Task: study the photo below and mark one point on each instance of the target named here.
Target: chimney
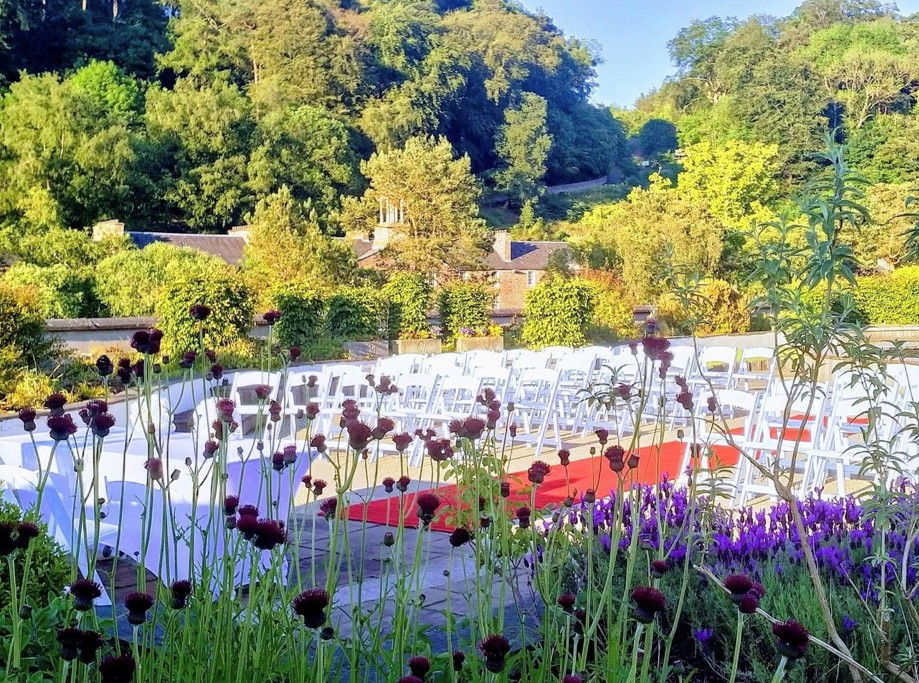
(107, 229)
(381, 236)
(240, 231)
(503, 244)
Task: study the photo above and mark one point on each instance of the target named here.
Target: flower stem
(737, 641)
(780, 672)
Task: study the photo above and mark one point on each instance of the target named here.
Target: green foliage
(409, 296)
(886, 148)
(557, 311)
(524, 146)
(49, 568)
(22, 328)
(891, 299)
(614, 311)
(232, 311)
(46, 244)
(131, 282)
(657, 137)
(714, 307)
(357, 313)
(302, 313)
(465, 304)
(61, 292)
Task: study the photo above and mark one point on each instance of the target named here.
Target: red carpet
(580, 475)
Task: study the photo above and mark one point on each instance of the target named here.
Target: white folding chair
(756, 366)
(301, 388)
(480, 359)
(535, 406)
(444, 364)
(715, 367)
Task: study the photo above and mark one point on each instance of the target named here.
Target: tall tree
(524, 144)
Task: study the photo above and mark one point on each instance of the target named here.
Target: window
(531, 278)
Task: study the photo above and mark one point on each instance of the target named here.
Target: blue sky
(634, 34)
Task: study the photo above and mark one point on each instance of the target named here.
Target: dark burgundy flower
(102, 425)
(739, 586)
(512, 429)
(138, 605)
(225, 409)
(419, 666)
(537, 472)
(318, 442)
(359, 435)
(290, 454)
(319, 486)
(460, 536)
(247, 525)
(272, 316)
(566, 602)
(748, 604)
(427, 506)
(495, 648)
(180, 591)
(188, 360)
(647, 602)
(458, 659)
(349, 410)
(388, 539)
(505, 489)
(262, 391)
(312, 411)
(792, 637)
(492, 416)
(90, 643)
(61, 427)
(632, 462)
(200, 312)
(248, 511)
(758, 589)
(624, 391)
(310, 605)
(328, 507)
(523, 517)
(140, 341)
(84, 592)
(564, 457)
(384, 427)
(230, 504)
(684, 398)
(388, 484)
(269, 534)
(55, 403)
(138, 369)
(216, 371)
(27, 416)
(104, 366)
(440, 450)
(615, 455)
(473, 428)
(277, 462)
(590, 496)
(294, 352)
(210, 448)
(402, 441)
(117, 669)
(659, 568)
(69, 639)
(712, 404)
(25, 532)
(154, 467)
(602, 436)
(402, 483)
(274, 411)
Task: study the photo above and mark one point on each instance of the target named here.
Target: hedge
(557, 312)
(61, 291)
(465, 305)
(409, 295)
(357, 313)
(302, 313)
(891, 299)
(22, 329)
(718, 308)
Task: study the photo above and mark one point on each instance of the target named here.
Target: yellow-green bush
(465, 305)
(891, 299)
(302, 313)
(557, 311)
(60, 291)
(715, 308)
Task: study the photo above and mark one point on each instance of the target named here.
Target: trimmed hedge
(465, 304)
(302, 313)
(557, 312)
(410, 297)
(891, 299)
(357, 313)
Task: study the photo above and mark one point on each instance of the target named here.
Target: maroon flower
(290, 454)
(659, 568)
(460, 536)
(140, 341)
(247, 525)
(537, 472)
(117, 669)
(439, 449)
(473, 428)
(318, 442)
(84, 592)
(602, 436)
(564, 457)
(210, 355)
(154, 467)
(458, 659)
(512, 429)
(419, 666)
(269, 534)
(748, 604)
(210, 448)
(615, 455)
(102, 425)
(712, 404)
(739, 586)
(495, 648)
(61, 427)
(230, 504)
(69, 639)
(349, 410)
(792, 637)
(188, 360)
(104, 366)
(90, 643)
(272, 316)
(402, 441)
(248, 511)
(427, 506)
(225, 408)
(493, 415)
(294, 352)
(402, 483)
(138, 605)
(216, 371)
(25, 532)
(523, 517)
(566, 602)
(654, 347)
(759, 590)
(310, 605)
(505, 489)
(684, 398)
(312, 411)
(27, 416)
(262, 391)
(359, 435)
(384, 427)
(180, 590)
(319, 486)
(388, 484)
(632, 462)
(647, 602)
(277, 462)
(328, 508)
(200, 312)
(274, 411)
(624, 391)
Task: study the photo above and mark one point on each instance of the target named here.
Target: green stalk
(737, 642)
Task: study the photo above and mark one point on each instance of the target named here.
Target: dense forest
(185, 114)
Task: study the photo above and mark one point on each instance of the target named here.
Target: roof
(227, 247)
(525, 256)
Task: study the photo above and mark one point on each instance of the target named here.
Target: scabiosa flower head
(69, 639)
(495, 648)
(388, 539)
(247, 525)
(25, 532)
(210, 448)
(624, 391)
(537, 472)
(318, 442)
(200, 312)
(748, 604)
(27, 417)
(712, 404)
(154, 467)
(310, 605)
(248, 511)
(632, 461)
(647, 602)
(402, 483)
(427, 506)
(328, 508)
(523, 517)
(216, 371)
(564, 457)
(792, 638)
(458, 659)
(102, 424)
(512, 429)
(180, 591)
(419, 666)
(312, 411)
(402, 441)
(230, 504)
(602, 436)
(659, 568)
(388, 484)
(104, 366)
(277, 462)
(739, 586)
(140, 341)
(90, 643)
(319, 486)
(225, 409)
(269, 534)
(566, 602)
(349, 410)
(460, 536)
(294, 352)
(117, 669)
(473, 428)
(138, 605)
(262, 391)
(84, 592)
(61, 427)
(684, 398)
(274, 411)
(616, 457)
(440, 450)
(359, 435)
(758, 590)
(272, 316)
(505, 489)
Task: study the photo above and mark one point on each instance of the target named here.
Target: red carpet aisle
(581, 475)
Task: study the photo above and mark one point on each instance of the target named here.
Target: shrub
(24, 388)
(715, 308)
(557, 312)
(409, 295)
(129, 283)
(614, 310)
(465, 305)
(60, 291)
(357, 313)
(22, 328)
(49, 569)
(302, 310)
(231, 311)
(891, 299)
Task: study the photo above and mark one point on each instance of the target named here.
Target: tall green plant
(465, 305)
(409, 295)
(557, 311)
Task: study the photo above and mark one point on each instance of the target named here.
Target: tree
(524, 146)
(441, 230)
(657, 137)
(285, 246)
(886, 149)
